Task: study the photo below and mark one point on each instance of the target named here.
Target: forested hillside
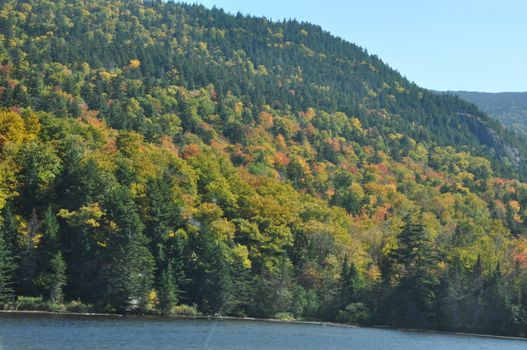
(166, 158)
(510, 108)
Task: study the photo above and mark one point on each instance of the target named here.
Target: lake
(59, 332)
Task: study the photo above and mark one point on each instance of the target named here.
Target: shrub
(78, 307)
(185, 310)
(284, 316)
(37, 304)
(353, 313)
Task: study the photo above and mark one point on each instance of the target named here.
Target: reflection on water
(32, 332)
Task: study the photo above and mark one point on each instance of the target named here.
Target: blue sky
(477, 45)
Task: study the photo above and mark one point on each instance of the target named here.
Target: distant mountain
(510, 108)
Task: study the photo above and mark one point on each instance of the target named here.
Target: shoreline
(255, 319)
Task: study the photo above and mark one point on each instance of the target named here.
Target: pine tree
(57, 278)
(168, 291)
(52, 276)
(29, 256)
(348, 285)
(213, 287)
(7, 267)
(129, 275)
(412, 301)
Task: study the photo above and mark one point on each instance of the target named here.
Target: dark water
(24, 332)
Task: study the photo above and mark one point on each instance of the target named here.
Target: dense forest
(166, 158)
(510, 108)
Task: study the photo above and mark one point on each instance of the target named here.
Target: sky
(472, 45)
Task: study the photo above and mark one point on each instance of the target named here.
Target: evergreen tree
(57, 278)
(349, 285)
(274, 290)
(453, 298)
(412, 301)
(129, 276)
(212, 280)
(28, 272)
(52, 276)
(7, 267)
(168, 291)
(175, 261)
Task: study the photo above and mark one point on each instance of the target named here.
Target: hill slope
(288, 66)
(156, 154)
(510, 108)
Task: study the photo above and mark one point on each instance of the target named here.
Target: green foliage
(185, 310)
(7, 268)
(410, 273)
(246, 167)
(129, 276)
(168, 291)
(58, 278)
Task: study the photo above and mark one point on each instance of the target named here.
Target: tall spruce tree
(129, 276)
(7, 268)
(57, 276)
(412, 301)
(168, 291)
(349, 285)
(212, 280)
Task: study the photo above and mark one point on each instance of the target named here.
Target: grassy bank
(38, 304)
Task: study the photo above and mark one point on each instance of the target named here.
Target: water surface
(58, 332)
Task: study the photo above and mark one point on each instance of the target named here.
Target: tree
(212, 280)
(11, 248)
(274, 290)
(168, 291)
(129, 276)
(7, 267)
(348, 284)
(411, 272)
(351, 308)
(57, 278)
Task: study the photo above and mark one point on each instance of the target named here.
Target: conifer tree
(129, 275)
(7, 267)
(57, 278)
(168, 291)
(412, 301)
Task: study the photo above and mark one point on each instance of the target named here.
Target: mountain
(167, 158)
(510, 108)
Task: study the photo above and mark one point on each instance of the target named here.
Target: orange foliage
(280, 140)
(310, 130)
(266, 119)
(334, 143)
(166, 143)
(5, 69)
(191, 150)
(134, 64)
(520, 252)
(281, 159)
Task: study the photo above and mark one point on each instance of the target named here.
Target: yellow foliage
(107, 75)
(134, 64)
(266, 119)
(15, 129)
(515, 205)
(153, 300)
(89, 215)
(242, 253)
